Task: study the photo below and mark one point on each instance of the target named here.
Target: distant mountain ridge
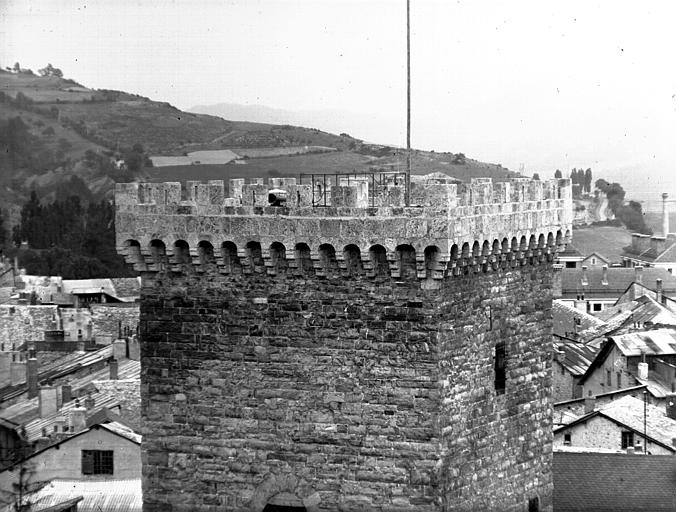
(330, 120)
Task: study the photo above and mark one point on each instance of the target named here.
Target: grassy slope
(605, 240)
(119, 120)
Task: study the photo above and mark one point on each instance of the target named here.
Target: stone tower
(324, 348)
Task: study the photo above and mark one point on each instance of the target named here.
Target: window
(593, 261)
(97, 462)
(596, 307)
(566, 439)
(609, 381)
(619, 380)
(627, 439)
(500, 370)
(570, 264)
(534, 504)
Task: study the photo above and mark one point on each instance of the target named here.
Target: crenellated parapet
(342, 227)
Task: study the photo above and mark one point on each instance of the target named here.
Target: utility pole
(408, 103)
(645, 423)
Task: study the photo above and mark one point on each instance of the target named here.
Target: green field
(319, 163)
(608, 241)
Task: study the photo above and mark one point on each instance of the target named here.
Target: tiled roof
(657, 342)
(668, 255)
(651, 255)
(570, 252)
(60, 367)
(606, 482)
(640, 311)
(97, 495)
(629, 411)
(27, 409)
(566, 318)
(577, 356)
(619, 279)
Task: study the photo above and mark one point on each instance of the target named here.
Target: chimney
(581, 304)
(585, 277)
(658, 244)
(119, 349)
(665, 215)
(17, 370)
(638, 274)
(66, 393)
(557, 284)
(47, 400)
(134, 348)
(32, 375)
(113, 365)
(5, 369)
(671, 406)
(89, 403)
(658, 290)
(604, 276)
(589, 404)
(643, 371)
(77, 419)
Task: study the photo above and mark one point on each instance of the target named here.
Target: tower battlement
(399, 358)
(350, 224)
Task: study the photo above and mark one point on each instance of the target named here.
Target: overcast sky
(541, 84)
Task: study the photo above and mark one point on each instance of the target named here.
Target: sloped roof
(597, 255)
(619, 279)
(650, 254)
(121, 288)
(570, 252)
(668, 255)
(27, 409)
(59, 367)
(577, 356)
(97, 495)
(567, 318)
(657, 342)
(629, 411)
(640, 311)
(616, 482)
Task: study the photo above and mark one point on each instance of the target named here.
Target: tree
(17, 67)
(536, 176)
(50, 70)
(588, 180)
(558, 175)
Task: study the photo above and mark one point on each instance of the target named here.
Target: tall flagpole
(408, 103)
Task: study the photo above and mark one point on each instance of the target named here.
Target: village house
(628, 424)
(651, 252)
(644, 357)
(595, 289)
(103, 451)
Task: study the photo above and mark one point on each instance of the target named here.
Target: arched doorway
(285, 502)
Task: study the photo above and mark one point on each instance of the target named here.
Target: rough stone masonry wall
(496, 448)
(108, 318)
(20, 323)
(351, 394)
